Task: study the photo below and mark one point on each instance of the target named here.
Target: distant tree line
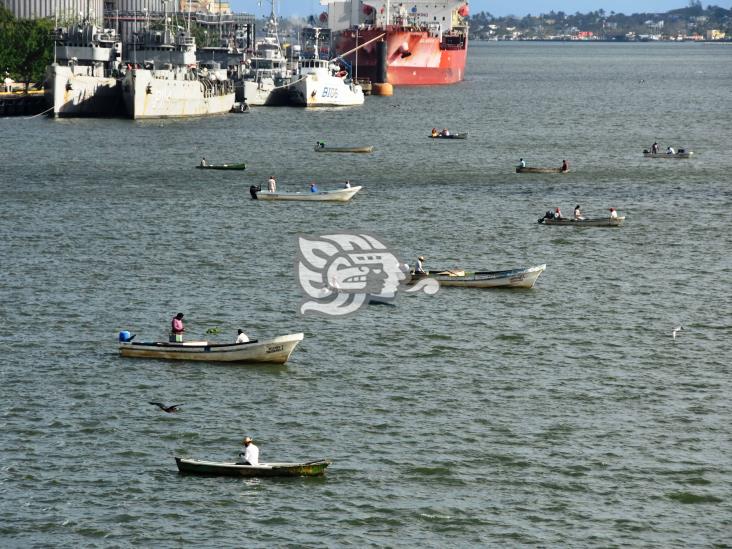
(692, 19)
(26, 47)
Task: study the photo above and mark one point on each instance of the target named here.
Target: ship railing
(453, 42)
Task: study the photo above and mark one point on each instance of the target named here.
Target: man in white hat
(250, 455)
(418, 268)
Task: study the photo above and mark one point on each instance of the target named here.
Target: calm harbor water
(563, 416)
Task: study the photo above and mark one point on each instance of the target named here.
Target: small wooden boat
(526, 169)
(681, 154)
(231, 469)
(276, 350)
(514, 278)
(599, 222)
(451, 136)
(337, 195)
(241, 166)
(344, 149)
(240, 107)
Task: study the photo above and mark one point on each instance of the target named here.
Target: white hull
(667, 155)
(515, 278)
(276, 350)
(264, 93)
(340, 195)
(170, 94)
(82, 95)
(320, 90)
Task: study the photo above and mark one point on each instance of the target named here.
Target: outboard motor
(125, 336)
(253, 190)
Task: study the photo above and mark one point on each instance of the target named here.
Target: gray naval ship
(163, 79)
(267, 77)
(83, 80)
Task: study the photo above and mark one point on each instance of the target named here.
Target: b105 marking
(330, 92)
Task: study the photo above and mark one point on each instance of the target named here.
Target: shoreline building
(64, 11)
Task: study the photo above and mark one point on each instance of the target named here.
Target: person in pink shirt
(177, 329)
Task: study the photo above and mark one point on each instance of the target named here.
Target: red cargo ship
(426, 40)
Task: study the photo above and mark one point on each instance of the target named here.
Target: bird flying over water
(169, 408)
(677, 329)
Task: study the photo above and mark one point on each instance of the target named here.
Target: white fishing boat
(337, 195)
(681, 153)
(513, 278)
(322, 83)
(83, 79)
(166, 82)
(267, 75)
(276, 350)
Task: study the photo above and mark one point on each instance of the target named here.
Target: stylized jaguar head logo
(340, 273)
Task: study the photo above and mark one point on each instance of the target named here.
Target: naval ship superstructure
(322, 83)
(83, 80)
(163, 79)
(268, 74)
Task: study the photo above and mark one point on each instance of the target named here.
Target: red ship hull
(413, 58)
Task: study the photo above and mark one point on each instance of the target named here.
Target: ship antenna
(55, 30)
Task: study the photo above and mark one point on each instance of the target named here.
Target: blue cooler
(125, 336)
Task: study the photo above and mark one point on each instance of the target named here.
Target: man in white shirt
(613, 213)
(521, 163)
(670, 150)
(241, 337)
(250, 455)
(271, 184)
(418, 268)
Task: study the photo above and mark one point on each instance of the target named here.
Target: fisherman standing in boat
(250, 455)
(313, 188)
(565, 166)
(271, 184)
(177, 329)
(655, 147)
(203, 162)
(418, 268)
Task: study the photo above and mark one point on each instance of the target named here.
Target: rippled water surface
(565, 415)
